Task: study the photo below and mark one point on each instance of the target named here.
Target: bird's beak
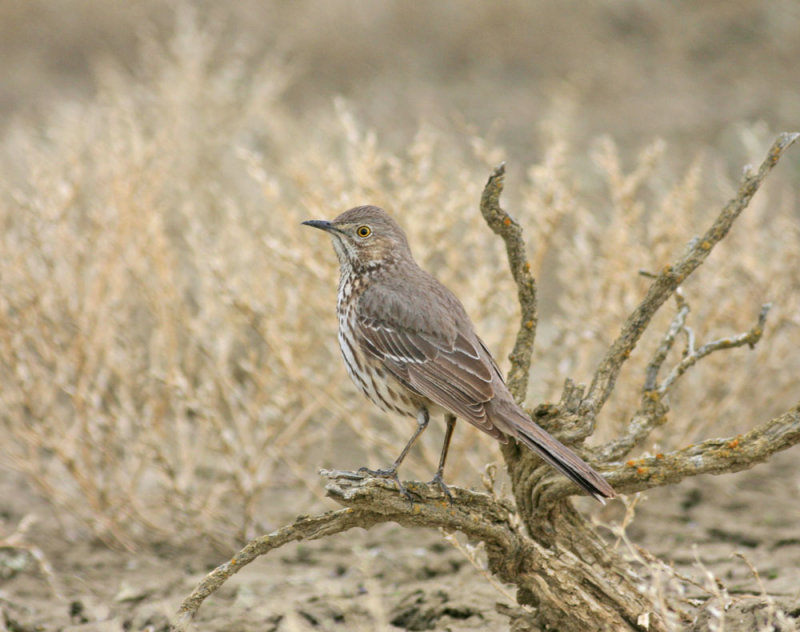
(322, 225)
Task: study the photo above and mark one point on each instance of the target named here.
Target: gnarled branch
(370, 501)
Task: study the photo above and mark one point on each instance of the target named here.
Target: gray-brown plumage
(411, 348)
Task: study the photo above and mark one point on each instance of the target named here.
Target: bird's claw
(437, 480)
(391, 474)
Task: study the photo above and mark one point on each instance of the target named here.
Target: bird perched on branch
(411, 348)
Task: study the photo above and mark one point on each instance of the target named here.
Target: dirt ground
(388, 578)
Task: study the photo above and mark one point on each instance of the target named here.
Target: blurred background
(169, 359)
(686, 71)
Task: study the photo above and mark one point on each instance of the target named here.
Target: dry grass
(167, 344)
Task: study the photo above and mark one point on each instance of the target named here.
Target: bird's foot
(437, 480)
(391, 474)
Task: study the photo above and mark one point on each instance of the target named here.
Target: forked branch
(693, 355)
(653, 409)
(668, 280)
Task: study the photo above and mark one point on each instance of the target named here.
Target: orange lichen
(660, 455)
(631, 463)
(641, 470)
(507, 221)
(734, 444)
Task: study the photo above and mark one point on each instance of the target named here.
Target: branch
(714, 456)
(677, 325)
(544, 574)
(670, 278)
(511, 232)
(369, 501)
(536, 569)
(653, 409)
(477, 515)
(304, 528)
(694, 355)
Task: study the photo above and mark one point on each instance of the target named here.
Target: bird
(410, 347)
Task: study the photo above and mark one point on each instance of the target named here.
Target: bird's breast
(367, 372)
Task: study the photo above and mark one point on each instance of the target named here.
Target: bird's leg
(391, 472)
(438, 477)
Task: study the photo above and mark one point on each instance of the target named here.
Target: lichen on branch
(511, 232)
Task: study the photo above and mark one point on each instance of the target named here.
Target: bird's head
(365, 236)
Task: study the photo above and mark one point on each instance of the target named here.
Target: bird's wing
(456, 374)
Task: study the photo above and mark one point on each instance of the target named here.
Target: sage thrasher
(411, 348)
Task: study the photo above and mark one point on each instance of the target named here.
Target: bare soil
(390, 578)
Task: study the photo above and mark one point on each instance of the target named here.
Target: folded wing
(456, 374)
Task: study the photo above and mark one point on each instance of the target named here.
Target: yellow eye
(363, 231)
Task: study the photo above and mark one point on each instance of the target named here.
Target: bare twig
(670, 278)
(304, 528)
(676, 326)
(693, 355)
(511, 232)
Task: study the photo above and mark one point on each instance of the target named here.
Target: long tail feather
(563, 459)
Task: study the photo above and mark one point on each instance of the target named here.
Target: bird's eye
(363, 231)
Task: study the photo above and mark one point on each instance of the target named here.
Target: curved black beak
(321, 224)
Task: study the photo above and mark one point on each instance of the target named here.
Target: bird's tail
(559, 456)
